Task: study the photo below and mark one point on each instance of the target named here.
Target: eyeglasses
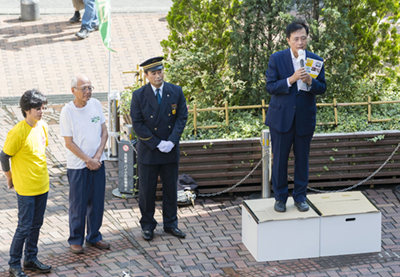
(84, 89)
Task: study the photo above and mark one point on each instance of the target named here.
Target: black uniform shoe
(83, 33)
(76, 17)
(302, 206)
(37, 266)
(16, 272)
(147, 234)
(280, 207)
(175, 232)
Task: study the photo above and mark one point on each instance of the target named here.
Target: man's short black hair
(31, 99)
(295, 26)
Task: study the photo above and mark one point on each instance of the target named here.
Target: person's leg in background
(90, 21)
(78, 5)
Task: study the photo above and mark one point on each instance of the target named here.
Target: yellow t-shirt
(27, 148)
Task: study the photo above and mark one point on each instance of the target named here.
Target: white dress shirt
(296, 65)
(154, 90)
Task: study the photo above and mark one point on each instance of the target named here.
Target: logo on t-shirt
(43, 141)
(96, 119)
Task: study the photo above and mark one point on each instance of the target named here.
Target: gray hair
(74, 82)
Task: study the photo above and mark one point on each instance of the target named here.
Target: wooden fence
(139, 76)
(336, 160)
(141, 80)
(263, 106)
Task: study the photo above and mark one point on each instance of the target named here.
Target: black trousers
(148, 175)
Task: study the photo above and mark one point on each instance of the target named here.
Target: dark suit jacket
(287, 102)
(153, 123)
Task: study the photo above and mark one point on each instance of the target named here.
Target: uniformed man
(159, 115)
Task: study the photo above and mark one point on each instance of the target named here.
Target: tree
(258, 31)
(199, 32)
(377, 44)
(356, 40)
(201, 86)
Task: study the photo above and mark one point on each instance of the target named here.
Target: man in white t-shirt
(83, 127)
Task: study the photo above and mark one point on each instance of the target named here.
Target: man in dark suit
(291, 115)
(159, 115)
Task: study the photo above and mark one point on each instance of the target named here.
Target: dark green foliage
(242, 124)
(199, 85)
(198, 46)
(377, 44)
(218, 51)
(258, 31)
(356, 40)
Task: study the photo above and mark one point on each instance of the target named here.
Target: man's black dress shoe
(175, 232)
(280, 206)
(16, 272)
(37, 266)
(147, 234)
(302, 206)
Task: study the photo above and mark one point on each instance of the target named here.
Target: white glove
(161, 146)
(168, 146)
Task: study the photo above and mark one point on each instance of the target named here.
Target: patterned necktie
(158, 96)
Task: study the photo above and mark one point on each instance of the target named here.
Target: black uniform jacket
(153, 123)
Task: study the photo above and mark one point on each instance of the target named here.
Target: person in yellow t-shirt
(26, 146)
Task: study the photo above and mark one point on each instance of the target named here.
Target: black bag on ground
(187, 190)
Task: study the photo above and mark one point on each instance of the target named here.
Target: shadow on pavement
(27, 34)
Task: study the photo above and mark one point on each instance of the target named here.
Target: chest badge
(173, 107)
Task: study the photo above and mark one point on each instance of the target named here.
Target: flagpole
(109, 86)
(109, 53)
(104, 14)
(109, 90)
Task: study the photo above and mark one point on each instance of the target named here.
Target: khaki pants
(78, 5)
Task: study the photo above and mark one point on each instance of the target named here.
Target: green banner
(104, 13)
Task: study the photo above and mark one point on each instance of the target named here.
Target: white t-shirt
(84, 126)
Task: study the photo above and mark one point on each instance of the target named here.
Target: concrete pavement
(45, 54)
(213, 244)
(65, 6)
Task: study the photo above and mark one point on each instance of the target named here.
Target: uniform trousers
(281, 145)
(148, 175)
(86, 204)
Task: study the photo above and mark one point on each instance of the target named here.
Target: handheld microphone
(301, 57)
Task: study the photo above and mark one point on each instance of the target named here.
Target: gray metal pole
(30, 10)
(114, 127)
(266, 165)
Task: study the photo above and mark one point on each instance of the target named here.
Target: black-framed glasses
(84, 89)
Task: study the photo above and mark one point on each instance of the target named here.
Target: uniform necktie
(158, 96)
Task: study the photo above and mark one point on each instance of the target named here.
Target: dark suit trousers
(148, 175)
(281, 145)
